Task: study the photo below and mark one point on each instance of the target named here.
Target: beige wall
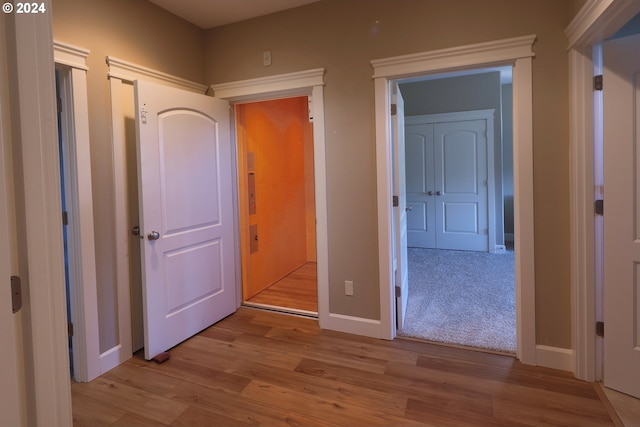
(343, 37)
(135, 31)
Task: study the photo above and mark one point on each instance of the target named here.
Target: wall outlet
(348, 287)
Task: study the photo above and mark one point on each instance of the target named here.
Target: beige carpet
(461, 297)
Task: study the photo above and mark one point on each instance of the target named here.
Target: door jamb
(303, 83)
(597, 20)
(517, 52)
(71, 60)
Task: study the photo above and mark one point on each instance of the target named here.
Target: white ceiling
(213, 13)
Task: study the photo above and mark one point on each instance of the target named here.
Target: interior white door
(421, 219)
(186, 212)
(400, 210)
(622, 217)
(461, 188)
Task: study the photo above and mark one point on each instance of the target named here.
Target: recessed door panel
(189, 170)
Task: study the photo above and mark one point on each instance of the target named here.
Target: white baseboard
(354, 325)
(112, 358)
(555, 358)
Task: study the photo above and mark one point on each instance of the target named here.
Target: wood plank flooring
(262, 368)
(298, 290)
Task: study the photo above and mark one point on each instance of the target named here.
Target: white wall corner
(555, 358)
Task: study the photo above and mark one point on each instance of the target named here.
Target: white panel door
(186, 210)
(622, 216)
(400, 211)
(461, 185)
(421, 219)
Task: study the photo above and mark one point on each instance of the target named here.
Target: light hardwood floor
(297, 291)
(270, 369)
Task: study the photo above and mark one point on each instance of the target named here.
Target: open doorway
(277, 205)
(460, 209)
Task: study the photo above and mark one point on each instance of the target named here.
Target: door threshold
(459, 346)
(284, 310)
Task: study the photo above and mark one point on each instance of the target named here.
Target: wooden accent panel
(262, 368)
(279, 136)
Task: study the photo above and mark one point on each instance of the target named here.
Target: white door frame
(71, 60)
(47, 393)
(596, 21)
(518, 53)
(304, 83)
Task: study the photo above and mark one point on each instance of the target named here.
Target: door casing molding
(302, 83)
(518, 53)
(596, 21)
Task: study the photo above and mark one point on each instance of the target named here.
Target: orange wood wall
(279, 135)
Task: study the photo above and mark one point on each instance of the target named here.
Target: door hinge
(16, 294)
(65, 218)
(59, 104)
(398, 291)
(599, 207)
(597, 82)
(394, 109)
(310, 107)
(600, 329)
(70, 329)
(396, 201)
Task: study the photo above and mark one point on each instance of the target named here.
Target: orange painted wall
(279, 135)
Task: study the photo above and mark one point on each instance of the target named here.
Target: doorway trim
(71, 61)
(518, 53)
(596, 21)
(303, 83)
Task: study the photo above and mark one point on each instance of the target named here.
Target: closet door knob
(154, 235)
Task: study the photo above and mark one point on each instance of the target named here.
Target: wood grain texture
(298, 290)
(263, 368)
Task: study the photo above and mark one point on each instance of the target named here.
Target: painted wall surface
(139, 32)
(464, 93)
(343, 36)
(276, 133)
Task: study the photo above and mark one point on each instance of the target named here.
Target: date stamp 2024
(24, 8)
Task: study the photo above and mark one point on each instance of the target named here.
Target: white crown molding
(128, 71)
(72, 56)
(499, 51)
(598, 20)
(284, 83)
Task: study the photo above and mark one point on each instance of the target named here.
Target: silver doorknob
(438, 193)
(154, 235)
(430, 193)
